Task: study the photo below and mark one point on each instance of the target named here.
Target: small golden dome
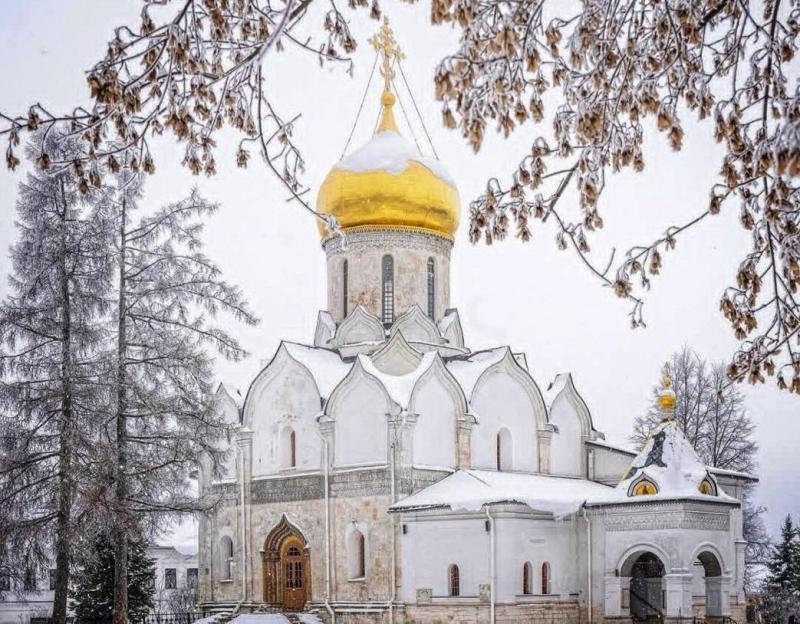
(387, 183)
(666, 396)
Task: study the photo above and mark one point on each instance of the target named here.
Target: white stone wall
(364, 252)
(566, 446)
(502, 401)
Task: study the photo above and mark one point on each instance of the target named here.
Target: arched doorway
(286, 567)
(712, 578)
(645, 596)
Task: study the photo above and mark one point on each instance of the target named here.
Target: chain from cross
(385, 44)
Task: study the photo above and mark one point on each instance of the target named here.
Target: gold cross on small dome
(385, 44)
(666, 380)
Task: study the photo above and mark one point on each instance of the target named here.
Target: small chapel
(387, 473)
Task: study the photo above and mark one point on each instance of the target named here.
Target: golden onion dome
(387, 183)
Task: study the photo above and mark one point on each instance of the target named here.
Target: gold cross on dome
(666, 380)
(384, 42)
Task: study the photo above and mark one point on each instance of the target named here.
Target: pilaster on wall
(544, 437)
(464, 440)
(401, 439)
(678, 591)
(244, 444)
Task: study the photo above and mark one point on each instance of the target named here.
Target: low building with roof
(388, 473)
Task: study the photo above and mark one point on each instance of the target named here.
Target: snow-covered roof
(446, 321)
(467, 370)
(668, 460)
(738, 474)
(614, 446)
(470, 490)
(326, 366)
(398, 387)
(390, 152)
(554, 388)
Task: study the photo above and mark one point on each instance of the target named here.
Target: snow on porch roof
(470, 490)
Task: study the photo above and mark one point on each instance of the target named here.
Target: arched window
(431, 287)
(526, 578)
(288, 448)
(344, 289)
(453, 581)
(503, 449)
(225, 558)
(546, 578)
(707, 487)
(387, 309)
(357, 555)
(643, 487)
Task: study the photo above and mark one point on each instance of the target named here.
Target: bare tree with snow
(50, 368)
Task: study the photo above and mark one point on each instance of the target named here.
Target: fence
(151, 618)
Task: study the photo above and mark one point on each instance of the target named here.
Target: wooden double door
(294, 573)
(286, 567)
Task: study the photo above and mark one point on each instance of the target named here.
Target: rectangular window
(191, 578)
(170, 578)
(5, 582)
(52, 577)
(625, 600)
(29, 580)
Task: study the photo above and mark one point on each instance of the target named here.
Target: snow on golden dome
(387, 183)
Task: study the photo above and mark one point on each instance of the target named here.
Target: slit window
(453, 581)
(546, 579)
(387, 300)
(344, 289)
(431, 288)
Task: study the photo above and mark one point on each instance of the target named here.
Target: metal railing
(150, 618)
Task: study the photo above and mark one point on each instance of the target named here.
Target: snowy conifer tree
(167, 295)
(92, 595)
(49, 368)
(784, 564)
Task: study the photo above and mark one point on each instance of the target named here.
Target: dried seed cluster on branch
(613, 64)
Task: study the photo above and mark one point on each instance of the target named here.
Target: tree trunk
(66, 435)
(121, 490)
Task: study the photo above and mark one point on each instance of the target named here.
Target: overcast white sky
(533, 297)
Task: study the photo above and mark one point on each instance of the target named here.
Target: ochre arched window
(453, 581)
(707, 487)
(644, 487)
(344, 289)
(387, 290)
(431, 288)
(546, 577)
(527, 570)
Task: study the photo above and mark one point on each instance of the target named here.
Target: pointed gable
(359, 326)
(396, 357)
(417, 326)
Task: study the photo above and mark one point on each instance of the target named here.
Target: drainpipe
(589, 559)
(244, 530)
(492, 573)
(327, 537)
(393, 562)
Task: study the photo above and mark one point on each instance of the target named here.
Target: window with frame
(191, 578)
(453, 581)
(344, 288)
(29, 580)
(170, 578)
(358, 555)
(226, 557)
(546, 578)
(5, 582)
(387, 290)
(431, 288)
(526, 578)
(51, 576)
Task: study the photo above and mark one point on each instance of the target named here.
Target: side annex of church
(387, 473)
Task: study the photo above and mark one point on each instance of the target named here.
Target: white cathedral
(387, 473)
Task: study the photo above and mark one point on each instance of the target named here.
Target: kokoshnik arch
(387, 473)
